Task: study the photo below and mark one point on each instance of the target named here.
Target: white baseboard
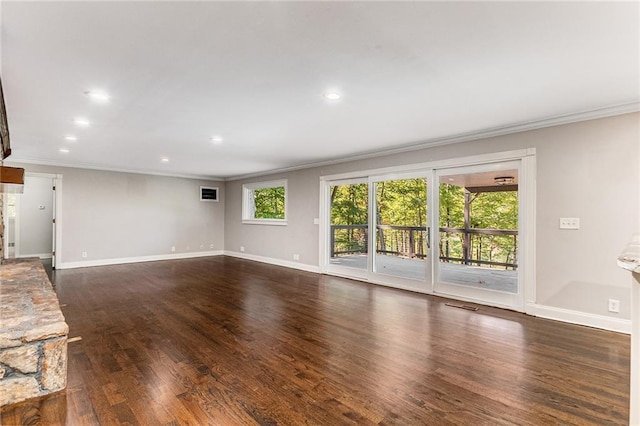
(122, 260)
(580, 318)
(40, 255)
(274, 261)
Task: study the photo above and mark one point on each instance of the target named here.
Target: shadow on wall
(591, 297)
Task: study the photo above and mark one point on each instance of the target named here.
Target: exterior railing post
(411, 244)
(332, 239)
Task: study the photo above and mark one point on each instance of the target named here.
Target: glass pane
(401, 228)
(349, 225)
(269, 203)
(479, 230)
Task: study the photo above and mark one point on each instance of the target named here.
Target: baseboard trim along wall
(580, 318)
(123, 260)
(273, 261)
(40, 255)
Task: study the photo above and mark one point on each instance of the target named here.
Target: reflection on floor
(47, 263)
(474, 276)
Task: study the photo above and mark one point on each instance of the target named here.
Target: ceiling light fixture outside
(332, 96)
(70, 138)
(97, 95)
(64, 150)
(164, 160)
(504, 180)
(216, 139)
(81, 122)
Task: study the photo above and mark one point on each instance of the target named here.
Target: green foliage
(269, 203)
(487, 210)
(403, 203)
(451, 206)
(349, 204)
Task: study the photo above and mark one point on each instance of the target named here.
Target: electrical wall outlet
(296, 257)
(569, 223)
(211, 245)
(173, 248)
(241, 248)
(84, 254)
(614, 305)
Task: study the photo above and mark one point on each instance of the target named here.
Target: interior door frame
(56, 213)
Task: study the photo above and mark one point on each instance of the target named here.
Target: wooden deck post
(466, 238)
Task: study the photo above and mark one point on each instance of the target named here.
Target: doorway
(30, 219)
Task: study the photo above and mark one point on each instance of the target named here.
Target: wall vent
(209, 193)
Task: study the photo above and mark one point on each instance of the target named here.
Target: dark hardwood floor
(226, 341)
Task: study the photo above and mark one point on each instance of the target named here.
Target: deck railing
(476, 245)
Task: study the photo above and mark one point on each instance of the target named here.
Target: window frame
(248, 208)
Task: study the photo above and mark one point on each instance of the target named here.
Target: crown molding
(524, 126)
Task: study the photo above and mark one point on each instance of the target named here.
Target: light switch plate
(569, 223)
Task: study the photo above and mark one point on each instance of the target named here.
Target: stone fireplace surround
(33, 333)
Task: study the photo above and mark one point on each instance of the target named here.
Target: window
(265, 202)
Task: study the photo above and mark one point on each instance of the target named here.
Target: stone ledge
(33, 334)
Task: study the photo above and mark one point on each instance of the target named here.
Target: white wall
(35, 233)
(112, 215)
(586, 170)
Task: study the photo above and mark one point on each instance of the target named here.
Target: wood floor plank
(224, 341)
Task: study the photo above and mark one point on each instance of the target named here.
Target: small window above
(209, 193)
(265, 202)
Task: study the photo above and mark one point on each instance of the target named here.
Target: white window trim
(247, 204)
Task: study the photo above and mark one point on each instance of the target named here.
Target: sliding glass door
(478, 218)
(453, 231)
(348, 228)
(401, 233)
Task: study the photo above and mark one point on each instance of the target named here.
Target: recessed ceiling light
(332, 96)
(164, 159)
(82, 122)
(97, 95)
(70, 138)
(216, 139)
(64, 150)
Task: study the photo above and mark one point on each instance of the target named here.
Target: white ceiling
(254, 73)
